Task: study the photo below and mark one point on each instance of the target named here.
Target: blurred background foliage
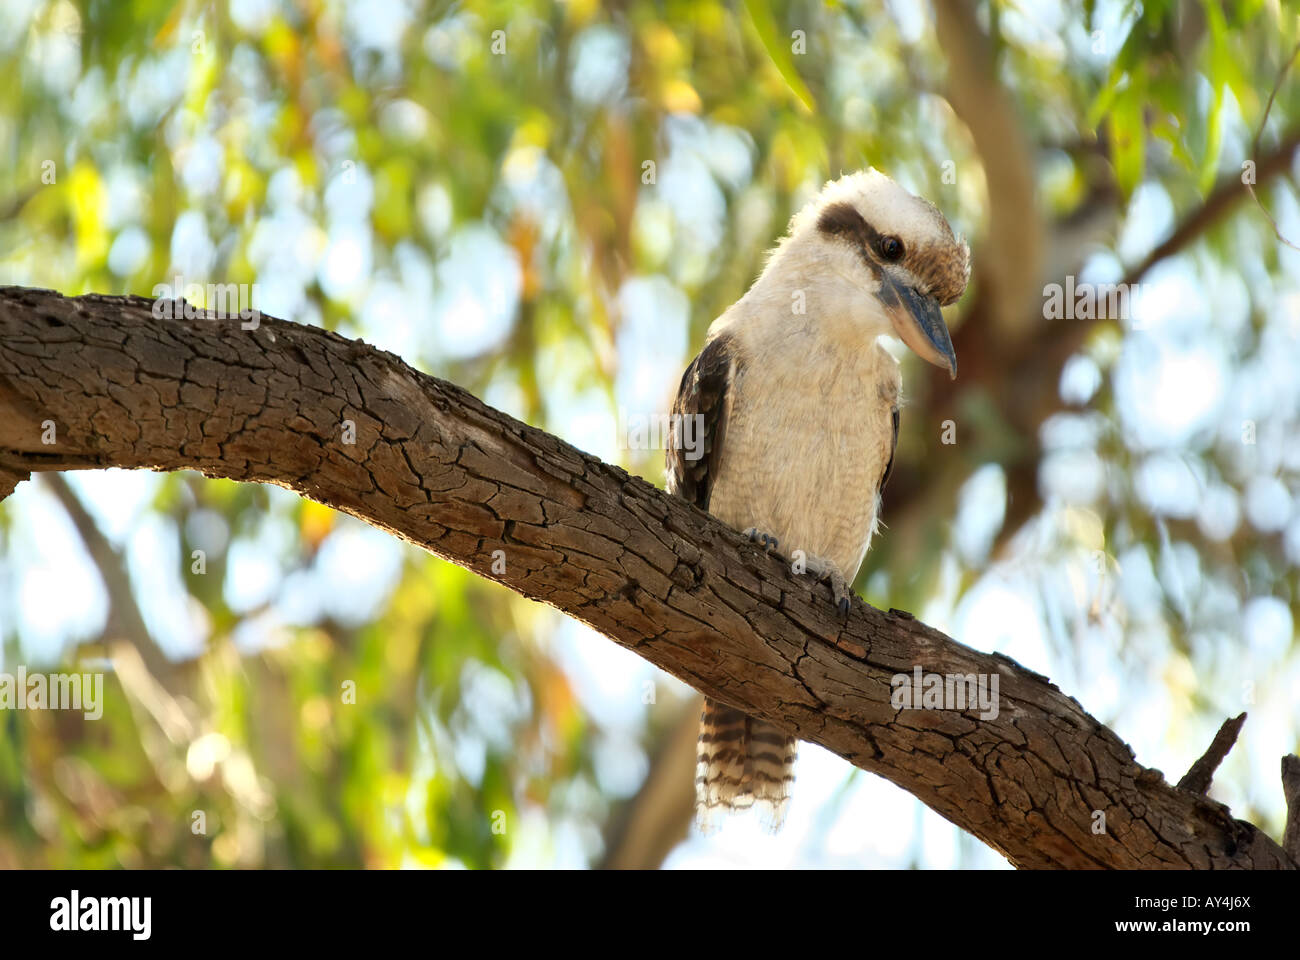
(548, 204)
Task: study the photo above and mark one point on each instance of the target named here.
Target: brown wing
(893, 448)
(703, 396)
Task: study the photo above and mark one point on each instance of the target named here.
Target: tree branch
(124, 617)
(659, 816)
(433, 465)
(1291, 790)
(1022, 378)
(1198, 778)
(1010, 257)
(1226, 195)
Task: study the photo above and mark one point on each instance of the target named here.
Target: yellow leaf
(315, 522)
(680, 97)
(88, 199)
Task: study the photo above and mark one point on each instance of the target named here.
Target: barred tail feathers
(772, 753)
(741, 762)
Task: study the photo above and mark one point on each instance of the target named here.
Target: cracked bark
(435, 466)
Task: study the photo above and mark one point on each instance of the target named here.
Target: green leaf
(1128, 139)
(760, 15)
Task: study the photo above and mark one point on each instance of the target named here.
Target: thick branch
(435, 466)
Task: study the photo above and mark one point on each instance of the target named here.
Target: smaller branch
(1291, 790)
(125, 620)
(1020, 378)
(1217, 206)
(659, 817)
(1268, 108)
(1254, 149)
(13, 206)
(1197, 779)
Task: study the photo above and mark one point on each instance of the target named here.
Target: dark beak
(919, 324)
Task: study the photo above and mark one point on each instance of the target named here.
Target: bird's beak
(919, 324)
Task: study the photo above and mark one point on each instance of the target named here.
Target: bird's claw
(827, 572)
(769, 542)
(822, 570)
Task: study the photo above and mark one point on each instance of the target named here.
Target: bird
(797, 402)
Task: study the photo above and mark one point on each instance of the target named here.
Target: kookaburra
(799, 409)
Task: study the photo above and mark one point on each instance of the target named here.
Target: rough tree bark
(111, 386)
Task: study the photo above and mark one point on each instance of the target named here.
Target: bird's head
(886, 259)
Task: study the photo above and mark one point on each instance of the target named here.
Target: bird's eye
(891, 248)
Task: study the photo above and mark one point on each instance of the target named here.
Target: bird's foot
(826, 572)
(769, 542)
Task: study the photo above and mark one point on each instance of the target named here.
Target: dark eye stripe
(843, 220)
